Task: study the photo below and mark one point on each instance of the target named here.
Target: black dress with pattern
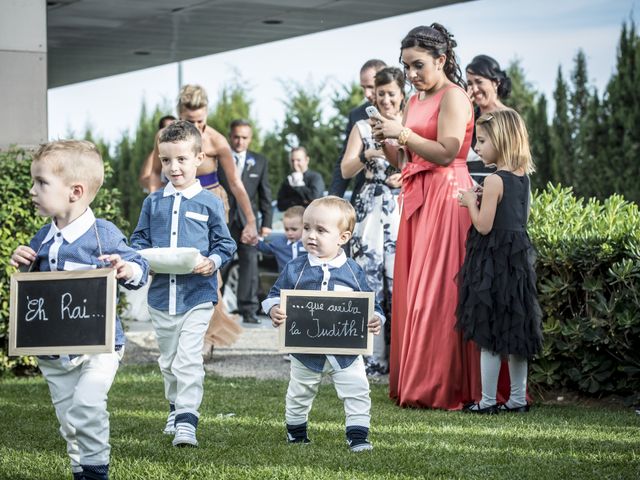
(498, 305)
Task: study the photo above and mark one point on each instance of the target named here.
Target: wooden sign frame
(111, 293)
(285, 294)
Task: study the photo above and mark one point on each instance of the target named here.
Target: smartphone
(372, 112)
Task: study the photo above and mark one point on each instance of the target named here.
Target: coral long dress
(430, 364)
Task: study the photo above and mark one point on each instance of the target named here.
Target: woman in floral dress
(373, 244)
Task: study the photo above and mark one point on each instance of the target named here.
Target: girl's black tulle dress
(498, 305)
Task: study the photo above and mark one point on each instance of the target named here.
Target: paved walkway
(255, 354)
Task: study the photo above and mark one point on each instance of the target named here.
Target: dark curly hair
(436, 40)
(182, 131)
(487, 67)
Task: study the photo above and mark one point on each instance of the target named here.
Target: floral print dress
(373, 245)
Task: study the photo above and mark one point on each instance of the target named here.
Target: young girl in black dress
(498, 307)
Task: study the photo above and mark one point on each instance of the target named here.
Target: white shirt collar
(190, 192)
(240, 155)
(340, 260)
(75, 229)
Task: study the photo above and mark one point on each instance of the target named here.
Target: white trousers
(351, 385)
(79, 389)
(180, 339)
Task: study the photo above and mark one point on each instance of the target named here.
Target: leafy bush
(588, 270)
(19, 222)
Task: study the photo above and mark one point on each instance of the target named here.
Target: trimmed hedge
(19, 222)
(588, 270)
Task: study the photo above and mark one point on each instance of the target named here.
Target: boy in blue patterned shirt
(290, 246)
(327, 225)
(66, 177)
(183, 214)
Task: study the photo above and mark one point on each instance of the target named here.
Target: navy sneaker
(297, 433)
(357, 439)
(94, 472)
(361, 446)
(185, 435)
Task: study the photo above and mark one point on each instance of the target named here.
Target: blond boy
(327, 225)
(286, 248)
(67, 175)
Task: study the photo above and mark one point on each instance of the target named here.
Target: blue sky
(543, 34)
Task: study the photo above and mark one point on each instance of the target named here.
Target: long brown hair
(436, 40)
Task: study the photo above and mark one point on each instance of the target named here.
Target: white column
(23, 72)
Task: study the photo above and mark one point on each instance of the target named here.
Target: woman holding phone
(377, 214)
(431, 365)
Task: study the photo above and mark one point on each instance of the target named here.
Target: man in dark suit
(302, 185)
(367, 75)
(252, 168)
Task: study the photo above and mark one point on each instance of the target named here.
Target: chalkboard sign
(54, 313)
(326, 322)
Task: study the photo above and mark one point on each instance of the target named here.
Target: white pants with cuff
(180, 339)
(79, 388)
(351, 385)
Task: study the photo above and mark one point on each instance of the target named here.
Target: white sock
(518, 375)
(489, 371)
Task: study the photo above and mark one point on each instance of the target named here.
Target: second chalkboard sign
(55, 313)
(326, 322)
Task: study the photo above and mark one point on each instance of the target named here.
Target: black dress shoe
(522, 409)
(475, 408)
(250, 319)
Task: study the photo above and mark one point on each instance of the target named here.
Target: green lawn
(564, 442)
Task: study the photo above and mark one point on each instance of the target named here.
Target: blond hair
(348, 221)
(192, 97)
(294, 212)
(508, 134)
(75, 161)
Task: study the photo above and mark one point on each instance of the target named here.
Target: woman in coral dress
(430, 364)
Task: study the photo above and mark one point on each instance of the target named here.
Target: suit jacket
(255, 178)
(289, 196)
(338, 184)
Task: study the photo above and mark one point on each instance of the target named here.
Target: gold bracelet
(404, 136)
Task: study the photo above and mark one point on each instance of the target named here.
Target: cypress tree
(621, 116)
(539, 137)
(234, 103)
(578, 103)
(596, 174)
(561, 142)
(532, 106)
(523, 95)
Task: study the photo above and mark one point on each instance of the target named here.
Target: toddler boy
(67, 175)
(327, 225)
(290, 246)
(183, 214)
